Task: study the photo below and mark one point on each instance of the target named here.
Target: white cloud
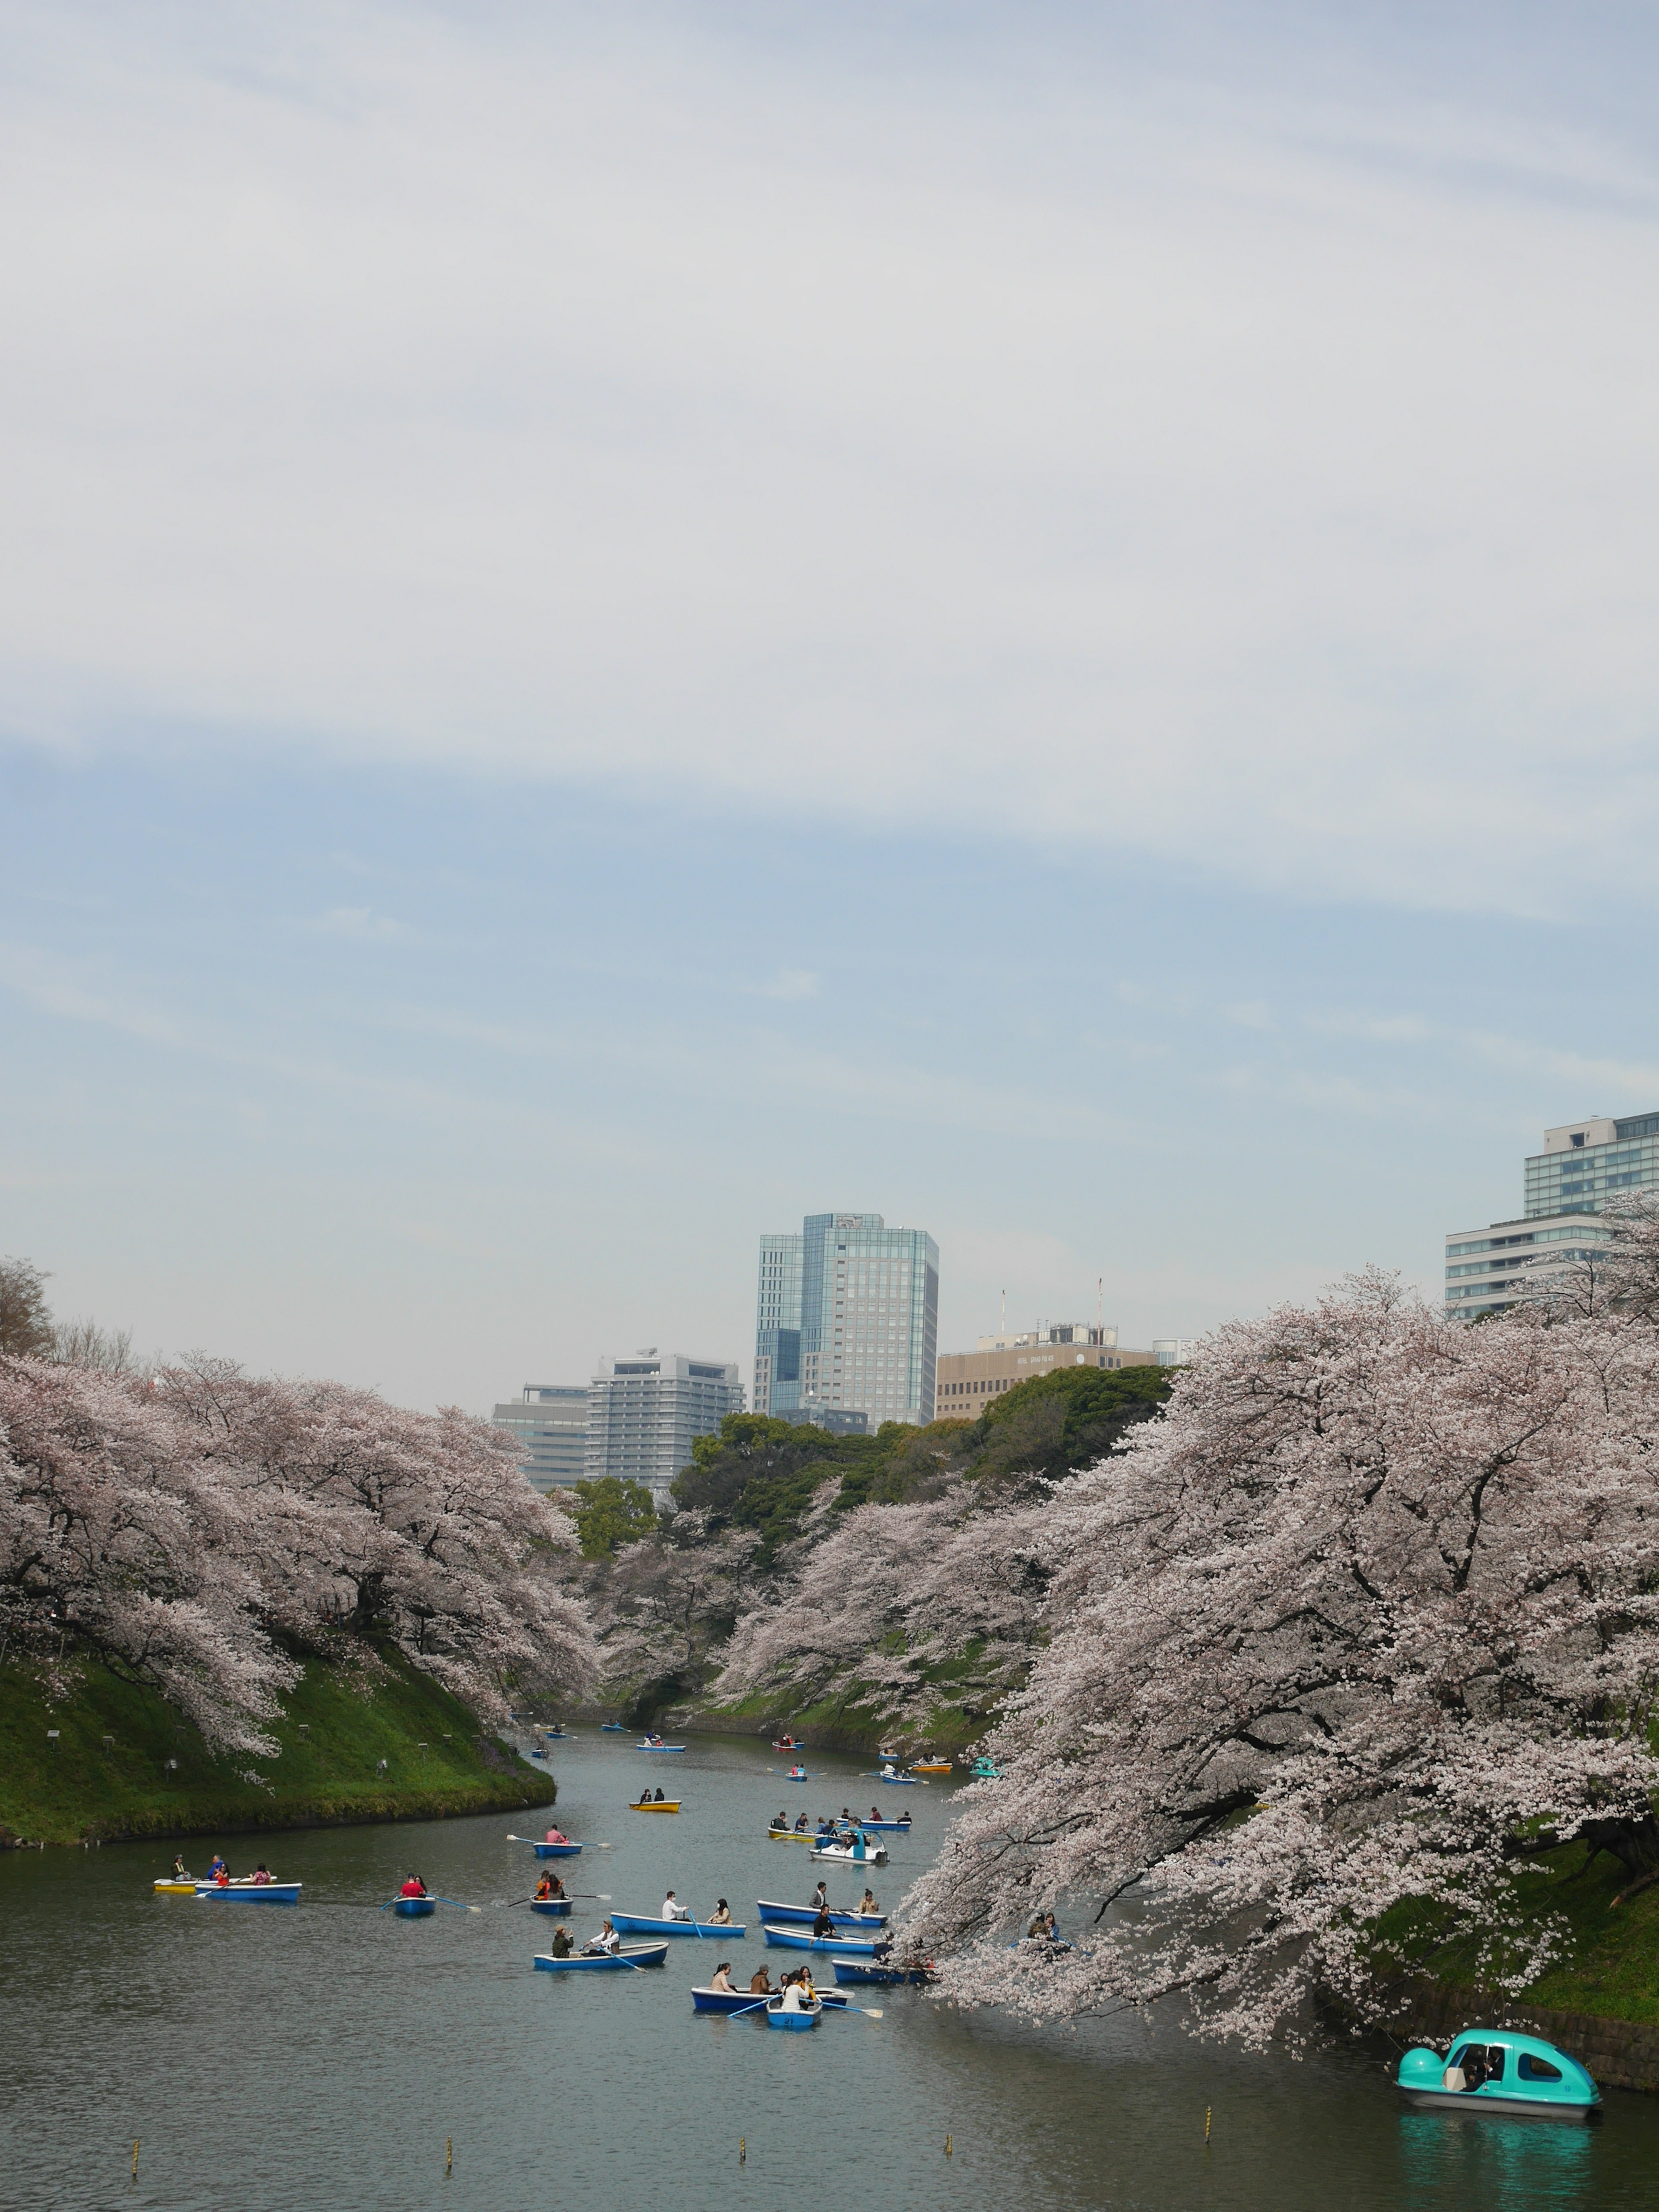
(1003, 439)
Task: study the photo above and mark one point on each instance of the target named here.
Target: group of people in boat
(550, 1886)
(673, 1909)
(605, 1945)
(645, 1798)
(219, 1874)
(796, 1988)
(413, 1888)
(1045, 1928)
(828, 1828)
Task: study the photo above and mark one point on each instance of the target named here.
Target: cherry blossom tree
(417, 1528)
(879, 1597)
(1336, 1648)
(114, 1538)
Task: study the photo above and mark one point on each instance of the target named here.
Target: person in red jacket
(413, 1888)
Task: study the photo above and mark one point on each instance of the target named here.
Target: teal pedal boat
(1499, 2070)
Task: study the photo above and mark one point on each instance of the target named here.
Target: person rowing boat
(673, 1909)
(558, 1835)
(413, 1888)
(607, 1941)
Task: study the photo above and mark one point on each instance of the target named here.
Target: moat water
(267, 2058)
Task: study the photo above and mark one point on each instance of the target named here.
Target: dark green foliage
(1058, 1423)
(761, 1473)
(612, 1513)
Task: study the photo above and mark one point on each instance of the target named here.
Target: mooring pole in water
(449, 2154)
(134, 2158)
(1206, 2124)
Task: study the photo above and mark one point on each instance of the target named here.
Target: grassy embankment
(1611, 1968)
(107, 1774)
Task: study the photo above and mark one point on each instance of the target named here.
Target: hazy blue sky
(620, 623)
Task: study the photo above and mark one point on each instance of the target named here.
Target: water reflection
(1483, 2158)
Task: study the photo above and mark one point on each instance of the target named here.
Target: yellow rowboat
(170, 1888)
(793, 1835)
(668, 1805)
(932, 1766)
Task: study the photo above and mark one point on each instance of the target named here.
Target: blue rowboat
(537, 1754)
(414, 1908)
(557, 1850)
(555, 1908)
(849, 1972)
(632, 1923)
(792, 1939)
(1500, 2070)
(893, 1781)
(660, 1747)
(555, 1734)
(804, 2017)
(611, 1727)
(731, 2000)
(899, 1827)
(798, 1915)
(604, 1962)
(252, 1892)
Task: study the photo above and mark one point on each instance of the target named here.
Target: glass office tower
(1583, 1167)
(847, 1316)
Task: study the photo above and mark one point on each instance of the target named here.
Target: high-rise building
(847, 1316)
(550, 1425)
(643, 1412)
(968, 1380)
(1583, 1166)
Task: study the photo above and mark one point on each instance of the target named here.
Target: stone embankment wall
(1621, 2054)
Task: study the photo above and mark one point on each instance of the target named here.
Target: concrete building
(837, 1420)
(1583, 1166)
(643, 1412)
(967, 1381)
(1173, 1350)
(550, 1425)
(847, 1316)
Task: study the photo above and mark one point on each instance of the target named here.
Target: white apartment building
(643, 1412)
(549, 1423)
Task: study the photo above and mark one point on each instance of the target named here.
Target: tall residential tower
(848, 1318)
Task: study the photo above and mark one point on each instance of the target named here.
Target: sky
(620, 624)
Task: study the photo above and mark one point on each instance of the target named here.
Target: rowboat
(851, 1971)
(555, 1734)
(893, 1781)
(787, 1743)
(535, 1753)
(796, 1774)
(1491, 2070)
(900, 1826)
(555, 1908)
(414, 1908)
(634, 1923)
(602, 1962)
(793, 1939)
(168, 1888)
(557, 1850)
(800, 1915)
(668, 1805)
(799, 2017)
(611, 1727)
(660, 1747)
(731, 2000)
(252, 1892)
(931, 1767)
(793, 1835)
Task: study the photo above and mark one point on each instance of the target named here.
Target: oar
(582, 1896)
(759, 2005)
(456, 1902)
(536, 1839)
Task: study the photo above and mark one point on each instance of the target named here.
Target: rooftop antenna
(1100, 1309)
(1003, 1331)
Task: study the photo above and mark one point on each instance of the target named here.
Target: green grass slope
(1611, 1965)
(107, 1774)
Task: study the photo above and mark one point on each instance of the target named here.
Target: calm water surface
(273, 2058)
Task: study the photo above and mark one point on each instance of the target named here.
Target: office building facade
(968, 1380)
(549, 1424)
(644, 1412)
(1585, 1166)
(847, 1317)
